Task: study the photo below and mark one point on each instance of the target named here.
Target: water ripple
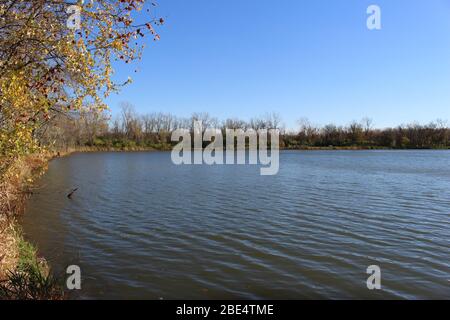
(140, 227)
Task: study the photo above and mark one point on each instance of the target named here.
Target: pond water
(141, 227)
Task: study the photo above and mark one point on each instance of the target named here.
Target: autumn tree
(50, 67)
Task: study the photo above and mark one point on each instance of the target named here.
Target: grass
(31, 279)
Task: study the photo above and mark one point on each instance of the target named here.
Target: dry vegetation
(15, 187)
(23, 275)
(8, 250)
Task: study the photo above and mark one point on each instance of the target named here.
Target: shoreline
(151, 149)
(19, 259)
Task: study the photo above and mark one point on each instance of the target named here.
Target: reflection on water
(141, 227)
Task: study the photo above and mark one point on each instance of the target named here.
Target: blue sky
(299, 58)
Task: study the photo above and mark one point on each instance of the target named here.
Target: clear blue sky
(300, 58)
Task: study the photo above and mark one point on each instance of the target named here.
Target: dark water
(141, 227)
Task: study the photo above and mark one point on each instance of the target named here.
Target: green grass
(31, 280)
(27, 255)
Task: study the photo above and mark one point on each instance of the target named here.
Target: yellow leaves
(117, 44)
(53, 68)
(17, 104)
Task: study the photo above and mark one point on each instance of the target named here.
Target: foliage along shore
(48, 72)
(23, 274)
(130, 130)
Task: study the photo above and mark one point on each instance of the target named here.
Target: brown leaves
(150, 27)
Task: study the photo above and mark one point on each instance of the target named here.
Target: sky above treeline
(312, 59)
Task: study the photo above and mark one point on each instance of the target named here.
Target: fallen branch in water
(71, 193)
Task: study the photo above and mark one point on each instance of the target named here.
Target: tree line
(130, 130)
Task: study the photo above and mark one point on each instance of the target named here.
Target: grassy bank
(23, 275)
